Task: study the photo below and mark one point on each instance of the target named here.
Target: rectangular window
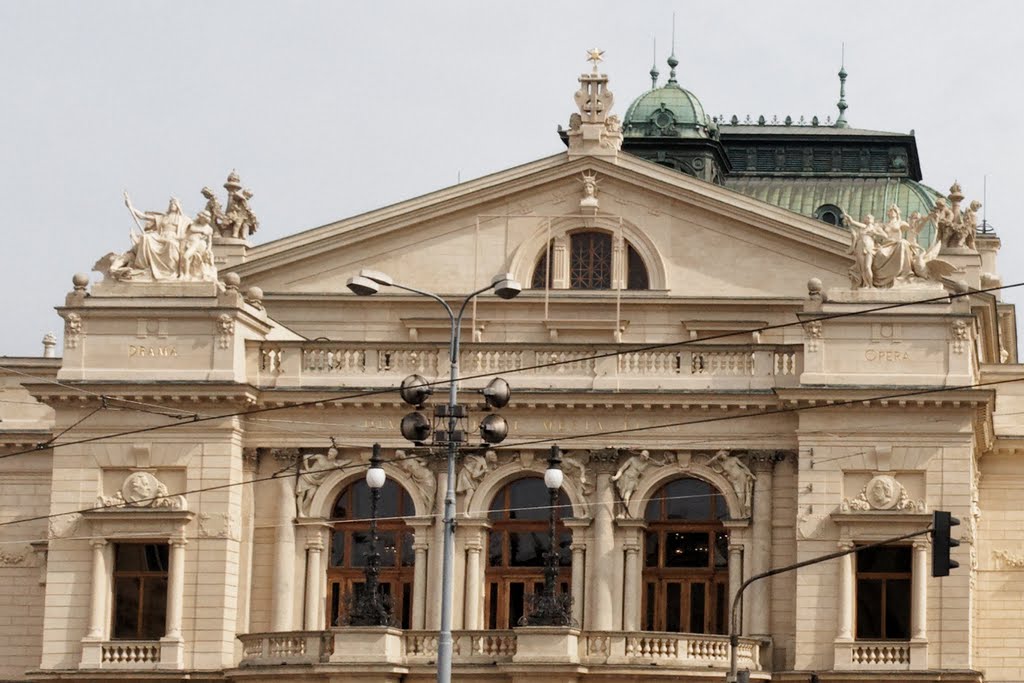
(140, 591)
(883, 593)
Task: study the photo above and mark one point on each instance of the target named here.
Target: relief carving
(15, 557)
(421, 475)
(960, 335)
(142, 490)
(313, 471)
(738, 474)
(64, 526)
(882, 492)
(225, 330)
(474, 467)
(589, 200)
(72, 330)
(576, 470)
(220, 525)
(1009, 559)
(812, 331)
(627, 477)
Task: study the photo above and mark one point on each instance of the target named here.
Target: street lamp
(369, 608)
(369, 282)
(550, 608)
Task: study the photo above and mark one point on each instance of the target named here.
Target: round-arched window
(350, 542)
(686, 556)
(516, 547)
(591, 264)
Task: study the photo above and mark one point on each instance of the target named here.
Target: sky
(330, 109)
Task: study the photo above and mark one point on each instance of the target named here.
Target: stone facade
(221, 421)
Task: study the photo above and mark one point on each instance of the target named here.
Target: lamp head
(415, 427)
(553, 474)
(497, 393)
(362, 286)
(506, 286)
(380, 278)
(415, 390)
(375, 476)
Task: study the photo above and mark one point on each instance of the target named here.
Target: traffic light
(942, 523)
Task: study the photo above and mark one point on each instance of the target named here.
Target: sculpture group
(169, 246)
(888, 254)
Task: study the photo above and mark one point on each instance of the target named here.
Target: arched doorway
(516, 545)
(686, 559)
(350, 540)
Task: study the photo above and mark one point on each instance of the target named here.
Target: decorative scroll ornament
(882, 492)
(142, 490)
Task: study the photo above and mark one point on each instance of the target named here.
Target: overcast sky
(329, 109)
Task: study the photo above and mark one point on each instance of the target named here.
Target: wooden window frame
(143, 576)
(885, 578)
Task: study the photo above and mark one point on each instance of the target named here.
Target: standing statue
(888, 255)
(957, 228)
(239, 220)
(213, 208)
(738, 474)
(197, 256)
(627, 478)
(971, 224)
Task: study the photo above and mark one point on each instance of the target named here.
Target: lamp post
(369, 608)
(551, 608)
(367, 283)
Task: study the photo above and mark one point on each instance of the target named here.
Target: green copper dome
(668, 111)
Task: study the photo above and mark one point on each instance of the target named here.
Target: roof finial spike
(672, 61)
(654, 65)
(841, 104)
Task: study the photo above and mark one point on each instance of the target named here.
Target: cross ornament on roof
(595, 55)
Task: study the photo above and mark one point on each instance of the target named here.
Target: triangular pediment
(696, 238)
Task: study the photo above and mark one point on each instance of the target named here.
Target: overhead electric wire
(375, 392)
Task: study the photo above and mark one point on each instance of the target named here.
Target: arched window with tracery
(686, 559)
(350, 542)
(591, 264)
(517, 543)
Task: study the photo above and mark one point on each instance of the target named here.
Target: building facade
(736, 381)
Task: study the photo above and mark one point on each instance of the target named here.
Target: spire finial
(595, 55)
(654, 65)
(841, 104)
(672, 61)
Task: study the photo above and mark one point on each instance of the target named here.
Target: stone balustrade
(129, 654)
(614, 648)
(881, 655)
(335, 364)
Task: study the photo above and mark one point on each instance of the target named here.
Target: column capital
(921, 543)
(474, 547)
(578, 546)
(97, 542)
(631, 547)
(250, 459)
(604, 460)
(284, 456)
(763, 461)
(177, 541)
(845, 544)
(315, 545)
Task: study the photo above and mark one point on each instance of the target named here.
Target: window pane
(688, 499)
(869, 608)
(529, 499)
(516, 603)
(386, 548)
(492, 612)
(887, 559)
(649, 612)
(673, 608)
(360, 548)
(528, 548)
(697, 607)
(337, 548)
(494, 548)
(406, 605)
(721, 549)
(156, 557)
(565, 549)
(637, 271)
(683, 549)
(721, 606)
(408, 554)
(651, 549)
(154, 608)
(390, 498)
(590, 261)
(897, 609)
(127, 594)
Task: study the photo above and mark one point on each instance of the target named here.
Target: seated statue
(888, 255)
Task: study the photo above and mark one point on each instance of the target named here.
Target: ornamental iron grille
(590, 264)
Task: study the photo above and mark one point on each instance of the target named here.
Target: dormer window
(829, 213)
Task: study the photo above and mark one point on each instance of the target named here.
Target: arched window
(686, 557)
(591, 264)
(350, 543)
(516, 546)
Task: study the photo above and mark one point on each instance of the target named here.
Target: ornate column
(600, 604)
(578, 527)
(632, 542)
(283, 584)
(919, 602)
(474, 534)
(618, 262)
(98, 598)
(735, 572)
(421, 532)
(175, 588)
(313, 619)
(761, 463)
(846, 593)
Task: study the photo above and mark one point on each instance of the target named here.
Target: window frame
(143, 576)
(885, 577)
